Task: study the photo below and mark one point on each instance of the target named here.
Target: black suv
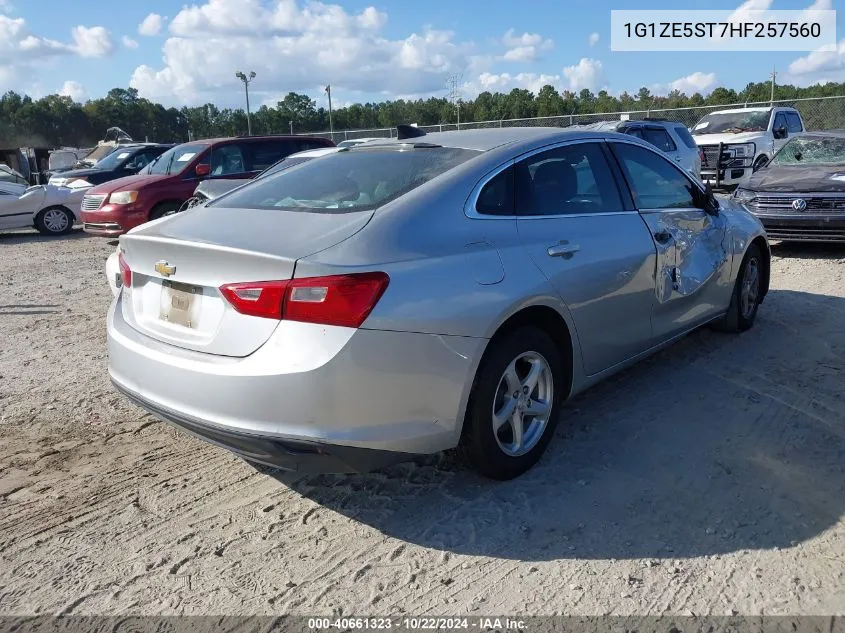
(126, 160)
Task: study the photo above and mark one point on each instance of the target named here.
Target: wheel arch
(164, 201)
(761, 243)
(44, 210)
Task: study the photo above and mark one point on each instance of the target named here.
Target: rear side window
(567, 180)
(685, 136)
(655, 182)
(353, 180)
(496, 198)
(263, 154)
(660, 138)
(793, 122)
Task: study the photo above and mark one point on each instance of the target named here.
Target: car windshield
(99, 153)
(355, 180)
(746, 121)
(115, 159)
(812, 151)
(175, 160)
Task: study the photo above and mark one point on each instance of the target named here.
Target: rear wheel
(163, 209)
(514, 404)
(748, 291)
(54, 221)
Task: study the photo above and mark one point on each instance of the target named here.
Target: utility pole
(331, 125)
(291, 127)
(774, 75)
(247, 81)
(454, 96)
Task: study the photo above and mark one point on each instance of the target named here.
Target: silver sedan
(414, 295)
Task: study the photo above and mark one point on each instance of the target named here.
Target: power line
(454, 96)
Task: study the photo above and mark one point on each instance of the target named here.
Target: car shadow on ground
(719, 444)
(808, 250)
(24, 236)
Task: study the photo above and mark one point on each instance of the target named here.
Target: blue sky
(187, 53)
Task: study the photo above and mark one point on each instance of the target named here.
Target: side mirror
(780, 132)
(711, 204)
(202, 170)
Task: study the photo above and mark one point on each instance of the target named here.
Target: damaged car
(800, 194)
(50, 209)
(419, 294)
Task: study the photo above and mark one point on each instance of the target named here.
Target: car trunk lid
(180, 262)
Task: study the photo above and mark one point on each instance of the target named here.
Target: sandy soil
(708, 480)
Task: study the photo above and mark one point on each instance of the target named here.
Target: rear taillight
(344, 300)
(701, 155)
(125, 271)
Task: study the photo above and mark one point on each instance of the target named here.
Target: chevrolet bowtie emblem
(164, 269)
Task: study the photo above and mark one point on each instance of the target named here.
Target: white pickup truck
(736, 142)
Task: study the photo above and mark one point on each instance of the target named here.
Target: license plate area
(179, 303)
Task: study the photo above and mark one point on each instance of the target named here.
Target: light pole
(247, 81)
(331, 125)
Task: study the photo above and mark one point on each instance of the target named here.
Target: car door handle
(663, 237)
(563, 249)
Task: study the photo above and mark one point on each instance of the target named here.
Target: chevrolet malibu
(419, 294)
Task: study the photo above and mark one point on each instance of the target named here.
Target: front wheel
(54, 221)
(163, 209)
(514, 404)
(747, 294)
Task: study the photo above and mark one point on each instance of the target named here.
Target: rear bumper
(300, 456)
(309, 392)
(112, 220)
(805, 229)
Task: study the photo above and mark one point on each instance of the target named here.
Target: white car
(736, 143)
(50, 209)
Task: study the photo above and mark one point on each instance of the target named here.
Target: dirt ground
(708, 480)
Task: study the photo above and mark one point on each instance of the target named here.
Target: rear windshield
(353, 180)
(175, 160)
(685, 136)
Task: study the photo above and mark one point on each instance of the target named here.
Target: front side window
(564, 181)
(660, 139)
(654, 181)
(793, 122)
(780, 121)
(227, 159)
(355, 180)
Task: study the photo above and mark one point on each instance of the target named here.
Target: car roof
(738, 110)
(479, 140)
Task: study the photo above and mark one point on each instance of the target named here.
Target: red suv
(113, 208)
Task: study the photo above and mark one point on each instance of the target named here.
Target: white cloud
(74, 90)
(696, 82)
(92, 41)
(525, 47)
(505, 82)
(593, 39)
(587, 73)
(829, 60)
(295, 48)
(151, 25)
(128, 42)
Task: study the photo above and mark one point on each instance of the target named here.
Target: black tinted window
(793, 122)
(353, 180)
(655, 182)
(304, 144)
(685, 136)
(660, 138)
(566, 180)
(496, 198)
(263, 154)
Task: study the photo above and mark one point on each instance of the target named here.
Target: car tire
(163, 209)
(501, 385)
(747, 294)
(54, 221)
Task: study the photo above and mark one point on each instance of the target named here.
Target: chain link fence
(820, 113)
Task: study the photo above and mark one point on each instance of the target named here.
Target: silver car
(411, 296)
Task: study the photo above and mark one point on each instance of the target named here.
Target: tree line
(55, 120)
